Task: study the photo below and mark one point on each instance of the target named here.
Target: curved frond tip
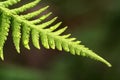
(45, 32)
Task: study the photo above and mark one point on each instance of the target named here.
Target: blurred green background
(95, 22)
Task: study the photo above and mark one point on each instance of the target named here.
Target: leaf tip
(2, 57)
(1, 53)
(108, 64)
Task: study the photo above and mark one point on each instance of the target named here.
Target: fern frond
(25, 36)
(33, 14)
(41, 18)
(4, 29)
(35, 38)
(46, 24)
(25, 7)
(16, 33)
(50, 37)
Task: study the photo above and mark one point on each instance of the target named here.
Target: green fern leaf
(23, 28)
(16, 28)
(4, 29)
(35, 38)
(25, 35)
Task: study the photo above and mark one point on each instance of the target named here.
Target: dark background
(95, 22)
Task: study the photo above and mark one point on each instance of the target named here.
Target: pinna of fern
(22, 28)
